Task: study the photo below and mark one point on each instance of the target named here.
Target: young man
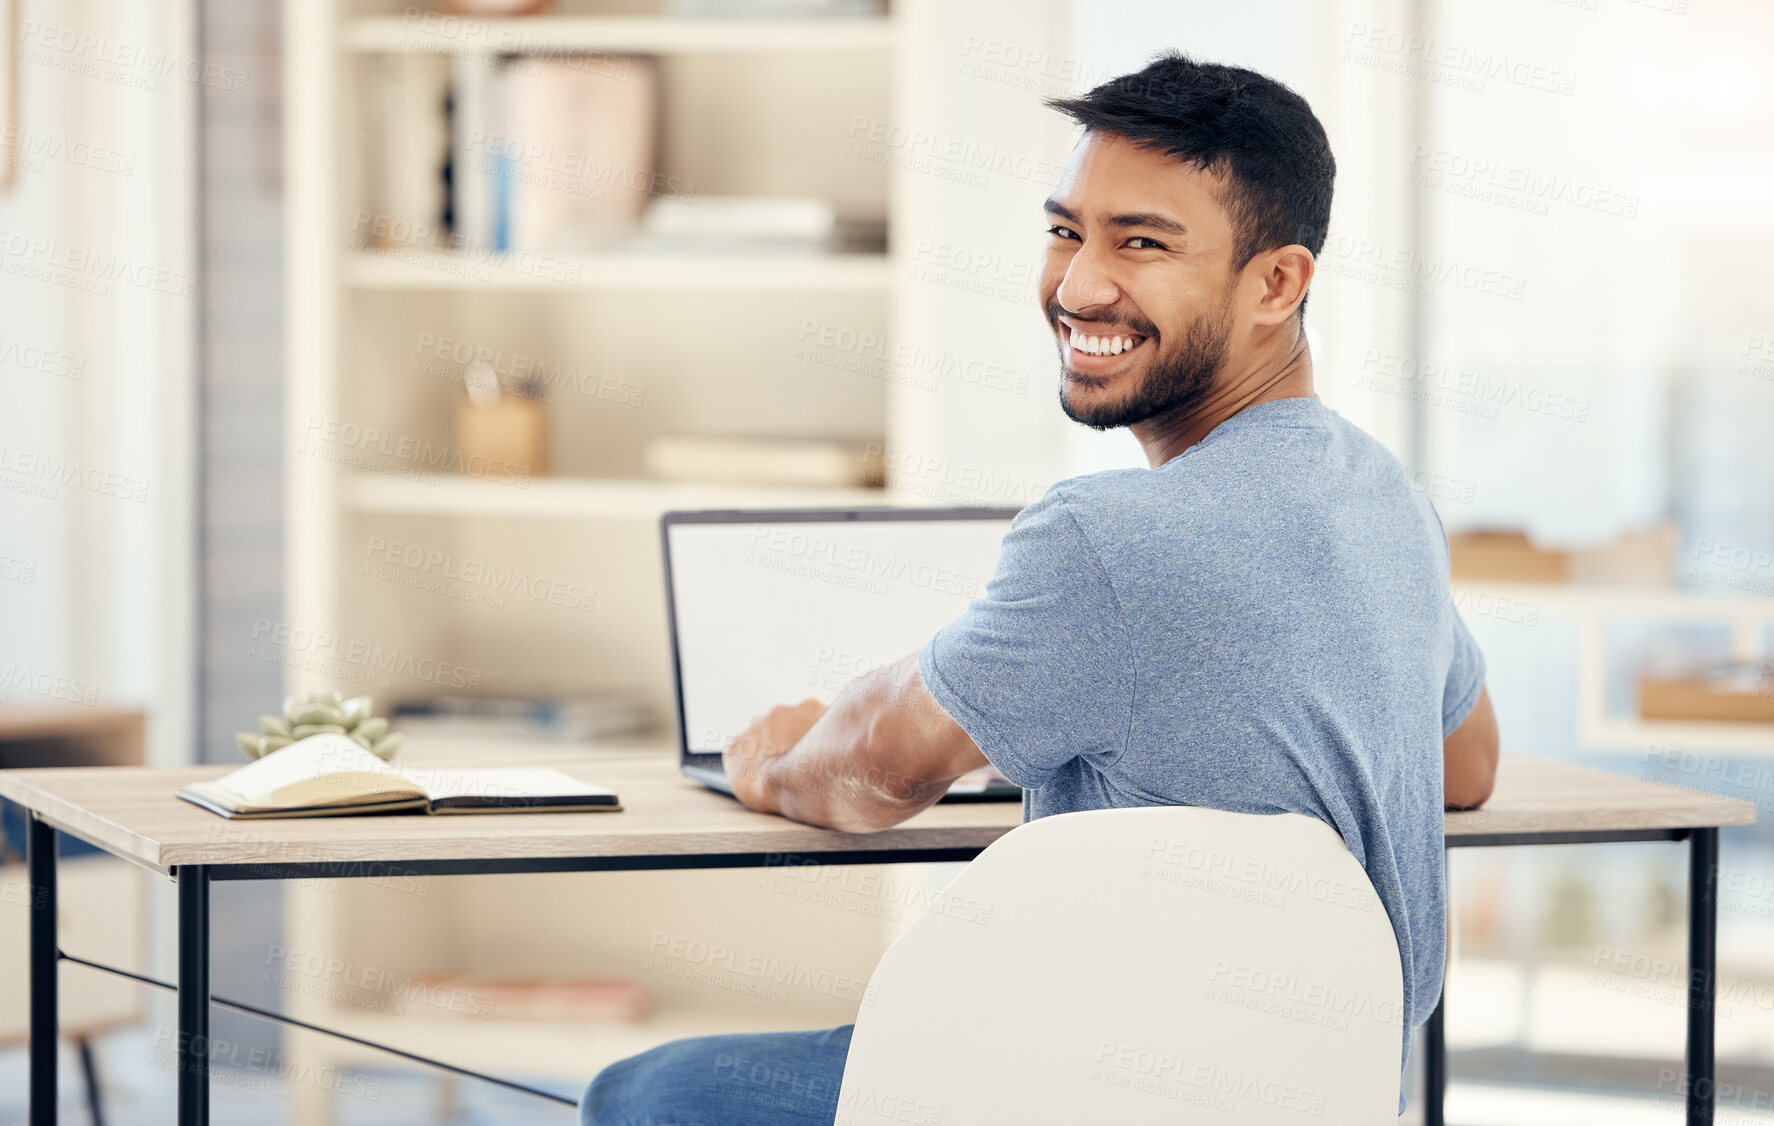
(1258, 622)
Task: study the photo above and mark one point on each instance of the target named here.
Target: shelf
(1581, 1007)
(440, 34)
(1745, 740)
(583, 497)
(1627, 600)
(1593, 607)
(438, 269)
(437, 748)
(577, 1049)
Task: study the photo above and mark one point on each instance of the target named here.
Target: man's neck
(1287, 375)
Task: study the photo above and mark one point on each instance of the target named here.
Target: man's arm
(883, 751)
(1469, 757)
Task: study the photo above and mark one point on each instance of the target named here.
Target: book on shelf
(559, 154)
(740, 224)
(803, 462)
(406, 155)
(552, 154)
(330, 775)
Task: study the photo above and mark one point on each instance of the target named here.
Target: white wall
(96, 473)
(1638, 245)
(980, 154)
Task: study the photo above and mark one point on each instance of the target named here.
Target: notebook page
(311, 758)
(513, 782)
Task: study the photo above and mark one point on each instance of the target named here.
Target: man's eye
(1135, 242)
(1064, 232)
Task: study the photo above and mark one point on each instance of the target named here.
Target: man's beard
(1173, 385)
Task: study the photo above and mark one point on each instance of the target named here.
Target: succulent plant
(322, 713)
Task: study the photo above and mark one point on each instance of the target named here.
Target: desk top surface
(131, 811)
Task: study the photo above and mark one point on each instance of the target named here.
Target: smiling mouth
(1100, 347)
(1103, 345)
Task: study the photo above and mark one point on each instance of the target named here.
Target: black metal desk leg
(193, 1040)
(45, 1024)
(1435, 1062)
(1703, 950)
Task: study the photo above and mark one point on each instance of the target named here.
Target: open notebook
(329, 775)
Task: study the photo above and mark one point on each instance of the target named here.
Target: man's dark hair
(1233, 122)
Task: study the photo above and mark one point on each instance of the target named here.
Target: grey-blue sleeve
(1040, 670)
(1465, 677)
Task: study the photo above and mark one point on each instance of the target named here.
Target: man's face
(1137, 283)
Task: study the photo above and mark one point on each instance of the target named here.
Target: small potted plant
(322, 713)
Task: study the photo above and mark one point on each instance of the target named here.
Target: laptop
(775, 607)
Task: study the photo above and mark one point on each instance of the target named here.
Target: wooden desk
(669, 822)
(107, 898)
(1543, 801)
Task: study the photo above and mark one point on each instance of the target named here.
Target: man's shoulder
(1210, 497)
(1111, 502)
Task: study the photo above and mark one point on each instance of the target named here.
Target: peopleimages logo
(906, 363)
(694, 959)
(775, 546)
(1259, 875)
(359, 446)
(31, 255)
(946, 157)
(434, 571)
(115, 60)
(1448, 64)
(311, 649)
(22, 678)
(1518, 187)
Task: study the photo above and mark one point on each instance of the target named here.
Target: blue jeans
(750, 1079)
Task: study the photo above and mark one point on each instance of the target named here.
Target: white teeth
(1101, 345)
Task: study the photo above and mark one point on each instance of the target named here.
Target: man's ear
(1283, 274)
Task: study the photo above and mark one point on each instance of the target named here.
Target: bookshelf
(709, 335)
(586, 498)
(636, 34)
(701, 341)
(416, 269)
(1591, 609)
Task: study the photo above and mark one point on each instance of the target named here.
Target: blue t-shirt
(1262, 625)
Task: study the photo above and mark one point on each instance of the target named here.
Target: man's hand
(1469, 757)
(748, 761)
(882, 752)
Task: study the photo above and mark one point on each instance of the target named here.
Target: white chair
(1161, 964)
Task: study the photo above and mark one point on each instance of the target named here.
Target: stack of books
(553, 154)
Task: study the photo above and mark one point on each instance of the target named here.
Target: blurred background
(353, 344)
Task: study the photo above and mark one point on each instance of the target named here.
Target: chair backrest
(1161, 964)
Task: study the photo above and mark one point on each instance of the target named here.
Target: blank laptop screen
(774, 613)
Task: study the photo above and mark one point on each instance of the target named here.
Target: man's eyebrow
(1055, 207)
(1150, 219)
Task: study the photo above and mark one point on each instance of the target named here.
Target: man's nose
(1086, 285)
